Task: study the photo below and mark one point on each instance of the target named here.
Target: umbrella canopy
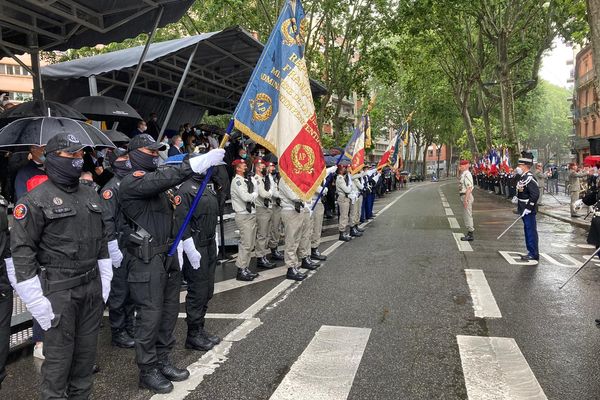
(104, 108)
(39, 108)
(591, 160)
(116, 136)
(36, 131)
(333, 160)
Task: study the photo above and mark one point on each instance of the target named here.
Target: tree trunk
(507, 101)
(485, 114)
(424, 165)
(593, 12)
(469, 128)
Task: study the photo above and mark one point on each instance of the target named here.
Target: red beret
(237, 161)
(464, 162)
(259, 160)
(271, 164)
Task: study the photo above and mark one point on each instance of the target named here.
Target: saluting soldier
(264, 213)
(343, 187)
(467, 199)
(528, 194)
(200, 247)
(61, 271)
(275, 233)
(295, 217)
(120, 306)
(243, 196)
(155, 278)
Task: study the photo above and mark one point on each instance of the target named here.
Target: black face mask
(121, 168)
(63, 170)
(145, 162)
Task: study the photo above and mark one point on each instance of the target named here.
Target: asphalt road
(394, 315)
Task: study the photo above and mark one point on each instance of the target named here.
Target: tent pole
(38, 91)
(143, 56)
(176, 96)
(93, 85)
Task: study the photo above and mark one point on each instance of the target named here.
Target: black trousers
(120, 306)
(154, 289)
(6, 306)
(70, 344)
(201, 286)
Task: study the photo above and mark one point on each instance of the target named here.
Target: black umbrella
(103, 108)
(116, 136)
(36, 131)
(39, 108)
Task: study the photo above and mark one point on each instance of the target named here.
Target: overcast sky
(554, 65)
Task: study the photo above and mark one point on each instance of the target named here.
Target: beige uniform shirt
(466, 181)
(240, 195)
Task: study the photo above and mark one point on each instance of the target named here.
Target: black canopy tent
(30, 26)
(206, 72)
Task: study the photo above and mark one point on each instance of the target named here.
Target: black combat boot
(344, 237)
(214, 339)
(358, 228)
(252, 274)
(316, 254)
(197, 341)
(243, 275)
(307, 263)
(468, 237)
(354, 232)
(276, 255)
(122, 339)
(171, 372)
(294, 274)
(263, 262)
(155, 381)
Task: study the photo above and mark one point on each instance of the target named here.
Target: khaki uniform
(575, 188)
(264, 214)
(275, 230)
(541, 179)
(245, 221)
(343, 189)
(466, 181)
(316, 221)
(296, 225)
(357, 206)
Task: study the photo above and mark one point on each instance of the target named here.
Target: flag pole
(205, 181)
(327, 182)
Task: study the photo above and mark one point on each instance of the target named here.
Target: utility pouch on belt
(142, 242)
(298, 206)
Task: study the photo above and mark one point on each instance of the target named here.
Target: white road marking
(495, 368)
(449, 211)
(574, 263)
(453, 223)
(484, 303)
(462, 246)
(266, 299)
(331, 248)
(384, 209)
(514, 258)
(327, 367)
(330, 238)
(209, 362)
(445, 203)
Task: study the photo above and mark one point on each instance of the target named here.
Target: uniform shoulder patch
(238, 182)
(177, 200)
(107, 194)
(139, 174)
(20, 211)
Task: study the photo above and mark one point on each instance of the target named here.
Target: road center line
(462, 246)
(449, 211)
(327, 367)
(445, 203)
(453, 223)
(495, 368)
(484, 303)
(384, 209)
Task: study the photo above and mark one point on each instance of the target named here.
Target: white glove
(201, 163)
(515, 200)
(192, 254)
(180, 254)
(10, 271)
(325, 190)
(115, 253)
(526, 212)
(106, 274)
(254, 196)
(331, 170)
(30, 291)
(578, 204)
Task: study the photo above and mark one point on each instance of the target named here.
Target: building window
(8, 69)
(20, 96)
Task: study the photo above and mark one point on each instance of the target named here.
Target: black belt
(66, 284)
(205, 242)
(154, 250)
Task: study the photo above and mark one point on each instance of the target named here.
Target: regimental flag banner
(396, 150)
(277, 109)
(385, 158)
(367, 128)
(355, 150)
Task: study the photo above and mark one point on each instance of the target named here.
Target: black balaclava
(63, 170)
(145, 162)
(121, 167)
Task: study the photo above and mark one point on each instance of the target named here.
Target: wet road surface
(405, 312)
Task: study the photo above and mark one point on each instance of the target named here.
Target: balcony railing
(585, 78)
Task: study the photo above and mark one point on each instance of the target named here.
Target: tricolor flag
(277, 109)
(355, 150)
(385, 158)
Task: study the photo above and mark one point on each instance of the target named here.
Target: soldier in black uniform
(6, 291)
(200, 248)
(154, 278)
(120, 306)
(63, 272)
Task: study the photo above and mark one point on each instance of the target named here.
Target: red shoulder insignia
(35, 181)
(139, 174)
(107, 194)
(20, 211)
(177, 200)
